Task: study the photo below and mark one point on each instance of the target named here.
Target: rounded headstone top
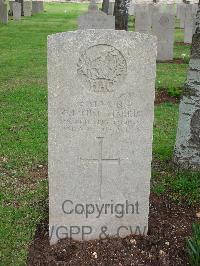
(93, 6)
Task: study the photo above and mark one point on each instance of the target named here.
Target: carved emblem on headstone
(164, 20)
(195, 129)
(102, 67)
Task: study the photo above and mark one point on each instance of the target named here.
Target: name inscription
(105, 115)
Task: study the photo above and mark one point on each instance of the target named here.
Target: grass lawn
(23, 116)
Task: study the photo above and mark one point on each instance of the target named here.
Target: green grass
(21, 209)
(166, 117)
(23, 132)
(23, 116)
(24, 125)
(181, 51)
(171, 75)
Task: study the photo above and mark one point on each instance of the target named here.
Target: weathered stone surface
(96, 19)
(194, 8)
(195, 51)
(3, 13)
(187, 148)
(17, 11)
(142, 18)
(163, 26)
(197, 21)
(27, 8)
(101, 103)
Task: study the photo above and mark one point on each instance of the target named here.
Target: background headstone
(101, 102)
(142, 18)
(182, 16)
(154, 9)
(37, 7)
(111, 8)
(41, 6)
(171, 9)
(187, 148)
(131, 10)
(178, 10)
(3, 13)
(189, 23)
(93, 6)
(96, 19)
(16, 11)
(27, 8)
(167, 8)
(163, 26)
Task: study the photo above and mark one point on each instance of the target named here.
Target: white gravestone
(3, 13)
(96, 19)
(182, 15)
(17, 11)
(37, 7)
(131, 9)
(189, 23)
(154, 9)
(187, 148)
(142, 18)
(27, 8)
(178, 10)
(41, 6)
(163, 26)
(101, 102)
(171, 9)
(167, 8)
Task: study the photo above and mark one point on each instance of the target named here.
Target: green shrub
(193, 246)
(174, 91)
(186, 58)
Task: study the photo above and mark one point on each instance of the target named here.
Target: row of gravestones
(15, 9)
(148, 19)
(101, 87)
(160, 21)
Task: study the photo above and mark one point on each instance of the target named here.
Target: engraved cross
(100, 160)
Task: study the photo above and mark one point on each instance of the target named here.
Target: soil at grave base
(163, 96)
(169, 226)
(173, 61)
(182, 43)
